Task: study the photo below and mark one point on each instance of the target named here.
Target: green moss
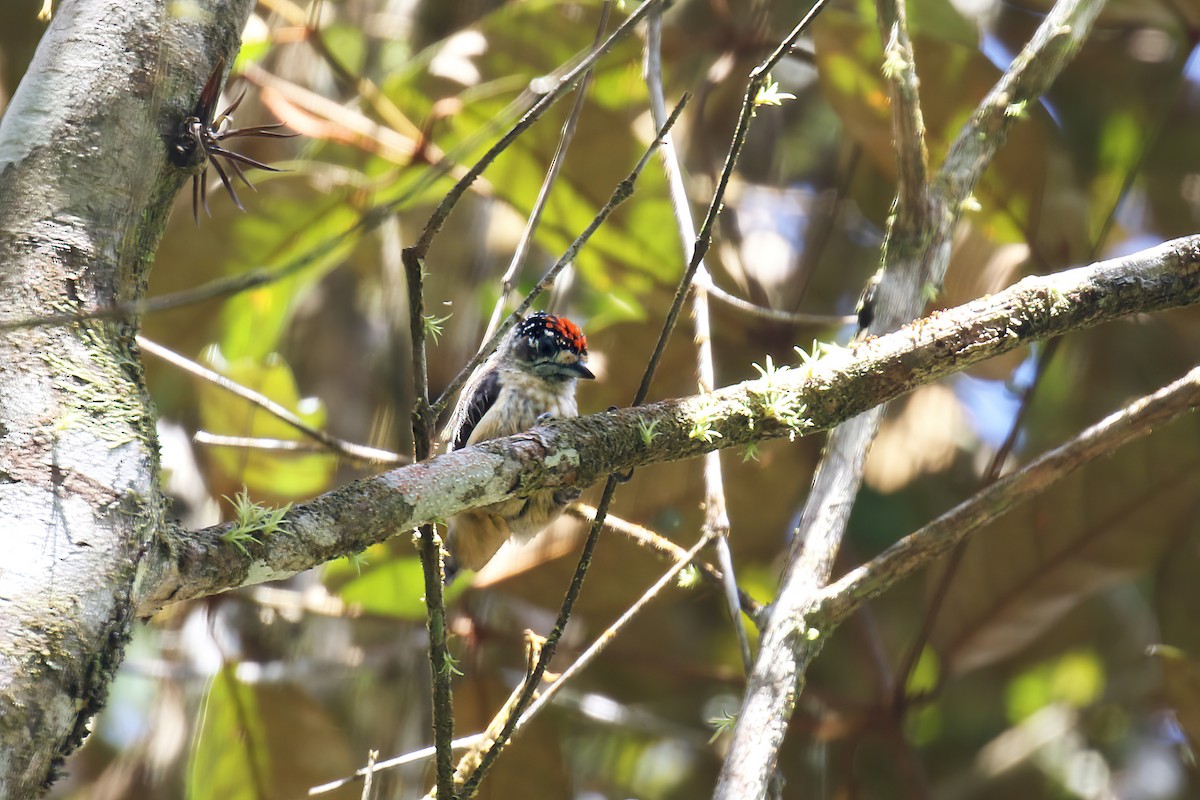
(104, 394)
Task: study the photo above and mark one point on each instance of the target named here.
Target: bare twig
(716, 514)
(430, 544)
(330, 442)
(565, 137)
(645, 538)
(772, 314)
(277, 445)
(389, 763)
(908, 125)
(840, 599)
(372, 756)
(606, 638)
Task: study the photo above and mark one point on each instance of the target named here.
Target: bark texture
(798, 401)
(85, 190)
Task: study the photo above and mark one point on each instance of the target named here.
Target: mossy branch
(831, 389)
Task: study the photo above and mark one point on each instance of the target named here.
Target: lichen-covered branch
(798, 401)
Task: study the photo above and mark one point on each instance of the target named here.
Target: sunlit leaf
(394, 589)
(292, 229)
(230, 758)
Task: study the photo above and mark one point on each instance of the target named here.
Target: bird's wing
(478, 397)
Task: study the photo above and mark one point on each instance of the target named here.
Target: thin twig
(389, 763)
(772, 314)
(372, 756)
(430, 545)
(703, 240)
(388, 111)
(756, 82)
(556, 161)
(606, 638)
(645, 538)
(332, 443)
(622, 193)
(908, 124)
(224, 287)
(276, 445)
(564, 85)
(716, 514)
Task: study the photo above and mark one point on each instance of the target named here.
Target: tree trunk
(85, 190)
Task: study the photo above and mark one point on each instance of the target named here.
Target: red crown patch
(567, 332)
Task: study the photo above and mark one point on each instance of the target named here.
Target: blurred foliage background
(1025, 672)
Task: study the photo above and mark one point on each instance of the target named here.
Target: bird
(530, 378)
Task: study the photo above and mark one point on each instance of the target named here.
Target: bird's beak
(579, 370)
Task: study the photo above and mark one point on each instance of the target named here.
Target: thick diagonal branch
(188, 564)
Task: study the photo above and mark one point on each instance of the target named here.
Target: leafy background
(1061, 654)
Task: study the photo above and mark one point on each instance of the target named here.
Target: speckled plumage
(533, 373)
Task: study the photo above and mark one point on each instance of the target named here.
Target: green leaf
(260, 740)
(394, 589)
(230, 755)
(1076, 680)
(291, 226)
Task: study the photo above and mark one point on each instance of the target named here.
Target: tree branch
(916, 253)
(330, 442)
(578, 452)
(841, 599)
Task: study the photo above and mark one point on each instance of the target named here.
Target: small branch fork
(915, 255)
(840, 599)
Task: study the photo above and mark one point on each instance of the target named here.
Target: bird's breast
(522, 399)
